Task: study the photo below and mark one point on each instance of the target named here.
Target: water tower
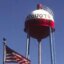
(39, 24)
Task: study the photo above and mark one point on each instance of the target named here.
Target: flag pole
(28, 46)
(4, 41)
(51, 47)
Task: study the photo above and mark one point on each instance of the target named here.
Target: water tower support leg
(39, 52)
(28, 46)
(51, 47)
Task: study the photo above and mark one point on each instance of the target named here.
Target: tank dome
(38, 22)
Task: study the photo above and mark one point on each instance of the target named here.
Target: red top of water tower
(39, 6)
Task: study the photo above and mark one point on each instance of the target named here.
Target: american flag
(12, 56)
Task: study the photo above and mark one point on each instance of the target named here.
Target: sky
(12, 18)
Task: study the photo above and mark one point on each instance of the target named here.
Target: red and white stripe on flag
(12, 56)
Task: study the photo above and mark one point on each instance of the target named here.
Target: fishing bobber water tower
(39, 24)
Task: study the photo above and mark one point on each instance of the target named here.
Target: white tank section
(43, 13)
